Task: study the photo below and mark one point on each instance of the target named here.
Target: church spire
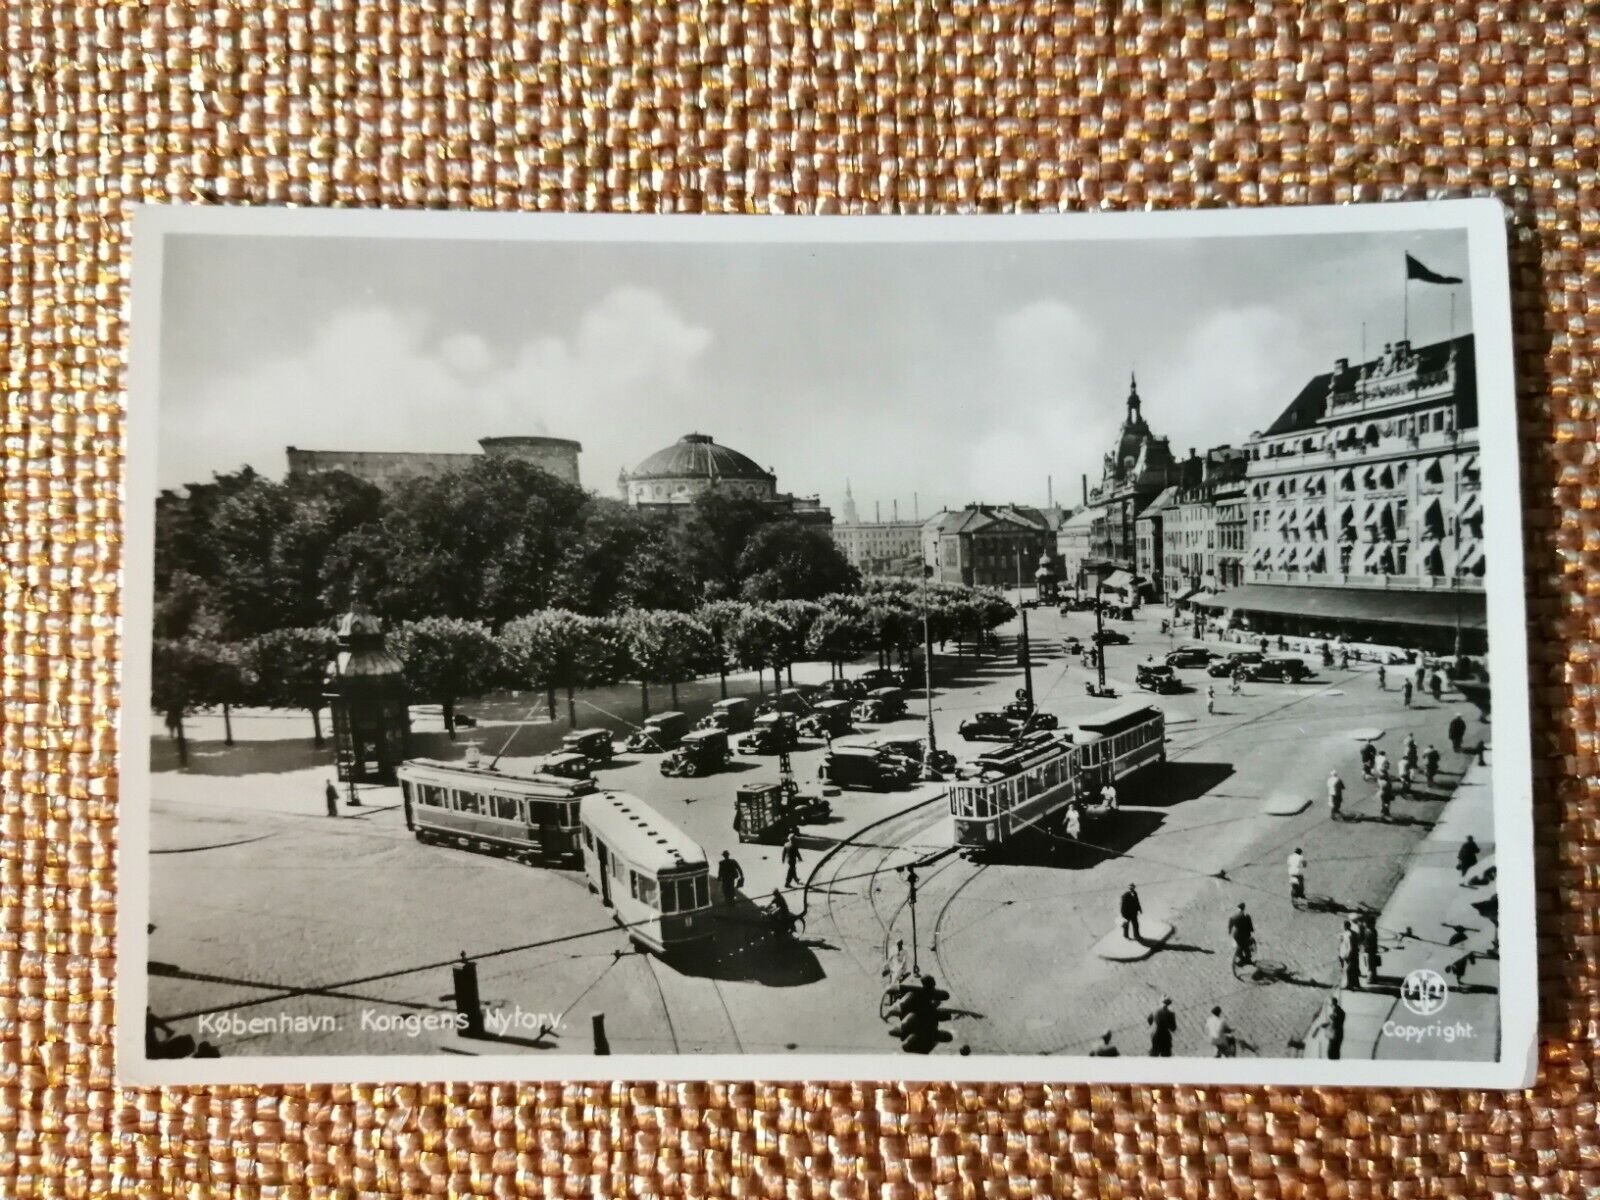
(851, 517)
(1135, 416)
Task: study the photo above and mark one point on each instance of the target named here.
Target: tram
(652, 875)
(1020, 785)
(530, 817)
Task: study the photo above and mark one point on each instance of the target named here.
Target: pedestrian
(1235, 679)
(1108, 795)
(1407, 770)
(896, 966)
(1369, 945)
(1383, 678)
(1297, 876)
(1380, 765)
(1467, 856)
(1459, 967)
(1211, 698)
(1369, 755)
(331, 795)
(1457, 731)
(791, 858)
(1436, 687)
(1422, 669)
(1405, 693)
(1349, 959)
(1344, 658)
(1130, 909)
(1408, 751)
(730, 876)
(1242, 929)
(1218, 1033)
(1385, 796)
(1332, 1024)
(1163, 1024)
(1430, 763)
(1074, 822)
(1104, 1048)
(1335, 795)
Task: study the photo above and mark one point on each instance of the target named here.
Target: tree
(837, 636)
(759, 637)
(555, 648)
(718, 618)
(786, 560)
(623, 558)
(663, 647)
(226, 681)
(446, 659)
(290, 668)
(798, 616)
(713, 536)
(179, 668)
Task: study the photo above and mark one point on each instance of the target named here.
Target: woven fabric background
(843, 106)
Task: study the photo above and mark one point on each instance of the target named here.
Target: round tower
(559, 456)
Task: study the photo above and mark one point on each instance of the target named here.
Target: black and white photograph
(1083, 648)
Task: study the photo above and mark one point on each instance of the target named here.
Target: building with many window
(1365, 513)
(996, 545)
(1075, 549)
(1133, 474)
(1196, 554)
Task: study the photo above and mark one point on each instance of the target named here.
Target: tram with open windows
(531, 817)
(1035, 779)
(652, 875)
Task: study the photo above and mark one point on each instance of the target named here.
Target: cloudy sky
(960, 372)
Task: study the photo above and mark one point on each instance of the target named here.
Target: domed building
(674, 476)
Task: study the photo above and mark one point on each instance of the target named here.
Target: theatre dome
(692, 465)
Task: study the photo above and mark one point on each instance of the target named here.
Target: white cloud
(373, 378)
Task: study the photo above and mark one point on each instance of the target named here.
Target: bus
(652, 875)
(1022, 785)
(530, 817)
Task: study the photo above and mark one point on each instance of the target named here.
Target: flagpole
(1452, 312)
(1405, 311)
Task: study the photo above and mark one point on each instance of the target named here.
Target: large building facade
(1203, 527)
(388, 469)
(993, 545)
(1365, 514)
(1134, 472)
(676, 475)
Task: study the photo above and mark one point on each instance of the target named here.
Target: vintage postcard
(1037, 647)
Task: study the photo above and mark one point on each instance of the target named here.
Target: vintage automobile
(659, 733)
(1157, 677)
(998, 727)
(732, 715)
(1279, 669)
(827, 719)
(842, 689)
(593, 744)
(1189, 656)
(564, 766)
(1109, 637)
(882, 704)
(703, 752)
(867, 767)
(769, 812)
(788, 700)
(913, 748)
(771, 734)
(1225, 666)
(882, 677)
(1072, 645)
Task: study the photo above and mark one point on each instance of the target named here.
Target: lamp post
(1027, 659)
(931, 746)
(1099, 633)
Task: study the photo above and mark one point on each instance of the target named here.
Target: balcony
(1290, 457)
(1441, 583)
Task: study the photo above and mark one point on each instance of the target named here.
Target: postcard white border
(1484, 221)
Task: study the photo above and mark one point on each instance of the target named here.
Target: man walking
(1074, 823)
(1163, 1024)
(1383, 679)
(1211, 698)
(1405, 693)
(1335, 795)
(731, 877)
(791, 858)
(1108, 796)
(1380, 765)
(1297, 877)
(1467, 857)
(1369, 944)
(331, 795)
(1349, 959)
(1130, 909)
(1369, 756)
(1408, 753)
(1218, 1033)
(1385, 796)
(1430, 763)
(1332, 1025)
(1242, 929)
(1436, 687)
(1457, 731)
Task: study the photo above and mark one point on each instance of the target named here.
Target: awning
(1471, 506)
(1470, 557)
(1117, 581)
(1441, 607)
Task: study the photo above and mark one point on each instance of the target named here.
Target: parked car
(882, 704)
(913, 749)
(1279, 670)
(593, 744)
(882, 677)
(788, 700)
(1157, 677)
(566, 766)
(842, 689)
(702, 752)
(827, 718)
(867, 767)
(1189, 656)
(659, 733)
(732, 715)
(997, 727)
(1223, 667)
(1072, 645)
(771, 733)
(1109, 637)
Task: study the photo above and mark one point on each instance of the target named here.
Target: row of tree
(244, 555)
(449, 659)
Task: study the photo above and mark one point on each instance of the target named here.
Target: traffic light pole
(911, 901)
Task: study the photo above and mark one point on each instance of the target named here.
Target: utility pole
(1099, 631)
(1027, 659)
(931, 748)
(911, 902)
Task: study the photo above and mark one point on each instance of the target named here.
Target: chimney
(877, 512)
(1086, 489)
(1050, 491)
(916, 506)
(897, 511)
(1341, 366)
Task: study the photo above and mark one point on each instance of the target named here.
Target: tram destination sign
(1055, 647)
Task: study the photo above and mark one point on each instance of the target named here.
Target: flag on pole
(1415, 270)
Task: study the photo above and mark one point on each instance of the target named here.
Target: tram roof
(1129, 712)
(640, 834)
(460, 774)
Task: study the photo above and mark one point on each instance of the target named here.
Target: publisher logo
(1424, 992)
